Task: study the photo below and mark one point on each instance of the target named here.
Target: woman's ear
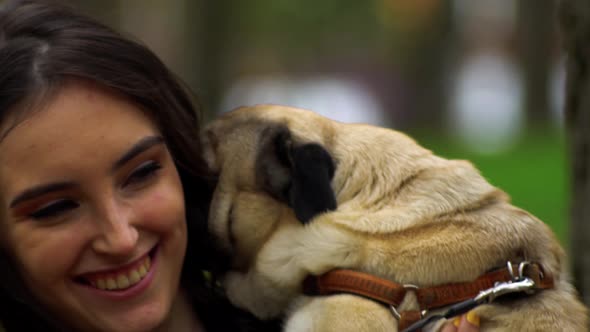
(299, 175)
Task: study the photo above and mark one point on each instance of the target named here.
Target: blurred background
(479, 80)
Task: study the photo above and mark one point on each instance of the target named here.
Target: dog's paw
(233, 283)
(253, 295)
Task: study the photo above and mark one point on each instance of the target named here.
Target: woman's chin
(141, 320)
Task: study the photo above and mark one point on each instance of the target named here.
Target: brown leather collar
(392, 294)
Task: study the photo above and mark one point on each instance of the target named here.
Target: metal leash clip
(518, 285)
(502, 288)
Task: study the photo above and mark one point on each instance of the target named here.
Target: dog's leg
(254, 292)
(283, 263)
(275, 279)
(339, 313)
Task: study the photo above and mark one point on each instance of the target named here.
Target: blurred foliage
(307, 32)
(306, 25)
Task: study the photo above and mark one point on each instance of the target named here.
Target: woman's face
(92, 208)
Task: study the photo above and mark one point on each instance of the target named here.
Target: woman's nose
(118, 234)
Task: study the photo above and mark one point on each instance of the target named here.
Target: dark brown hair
(43, 46)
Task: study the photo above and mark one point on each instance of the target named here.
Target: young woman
(103, 193)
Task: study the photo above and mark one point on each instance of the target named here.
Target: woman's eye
(142, 173)
(54, 209)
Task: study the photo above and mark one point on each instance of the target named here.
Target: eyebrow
(40, 190)
(139, 147)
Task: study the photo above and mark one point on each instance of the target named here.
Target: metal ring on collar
(398, 316)
(510, 270)
(410, 286)
(521, 268)
(395, 313)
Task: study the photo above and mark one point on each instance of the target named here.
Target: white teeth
(101, 284)
(142, 271)
(111, 284)
(134, 277)
(122, 280)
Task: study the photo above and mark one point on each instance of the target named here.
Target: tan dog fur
(403, 214)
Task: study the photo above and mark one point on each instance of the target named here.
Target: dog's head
(274, 168)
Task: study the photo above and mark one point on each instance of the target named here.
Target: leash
(522, 277)
(485, 296)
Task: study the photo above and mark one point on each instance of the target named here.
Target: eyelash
(54, 209)
(142, 173)
(139, 176)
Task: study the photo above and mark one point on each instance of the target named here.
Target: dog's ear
(312, 171)
(299, 175)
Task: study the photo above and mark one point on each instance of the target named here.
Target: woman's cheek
(34, 245)
(163, 209)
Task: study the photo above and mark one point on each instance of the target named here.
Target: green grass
(534, 172)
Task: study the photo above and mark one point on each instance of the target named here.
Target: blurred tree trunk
(209, 39)
(426, 71)
(536, 29)
(575, 23)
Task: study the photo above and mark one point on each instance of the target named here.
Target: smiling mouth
(121, 279)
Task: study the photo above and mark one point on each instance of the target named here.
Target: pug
(299, 194)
